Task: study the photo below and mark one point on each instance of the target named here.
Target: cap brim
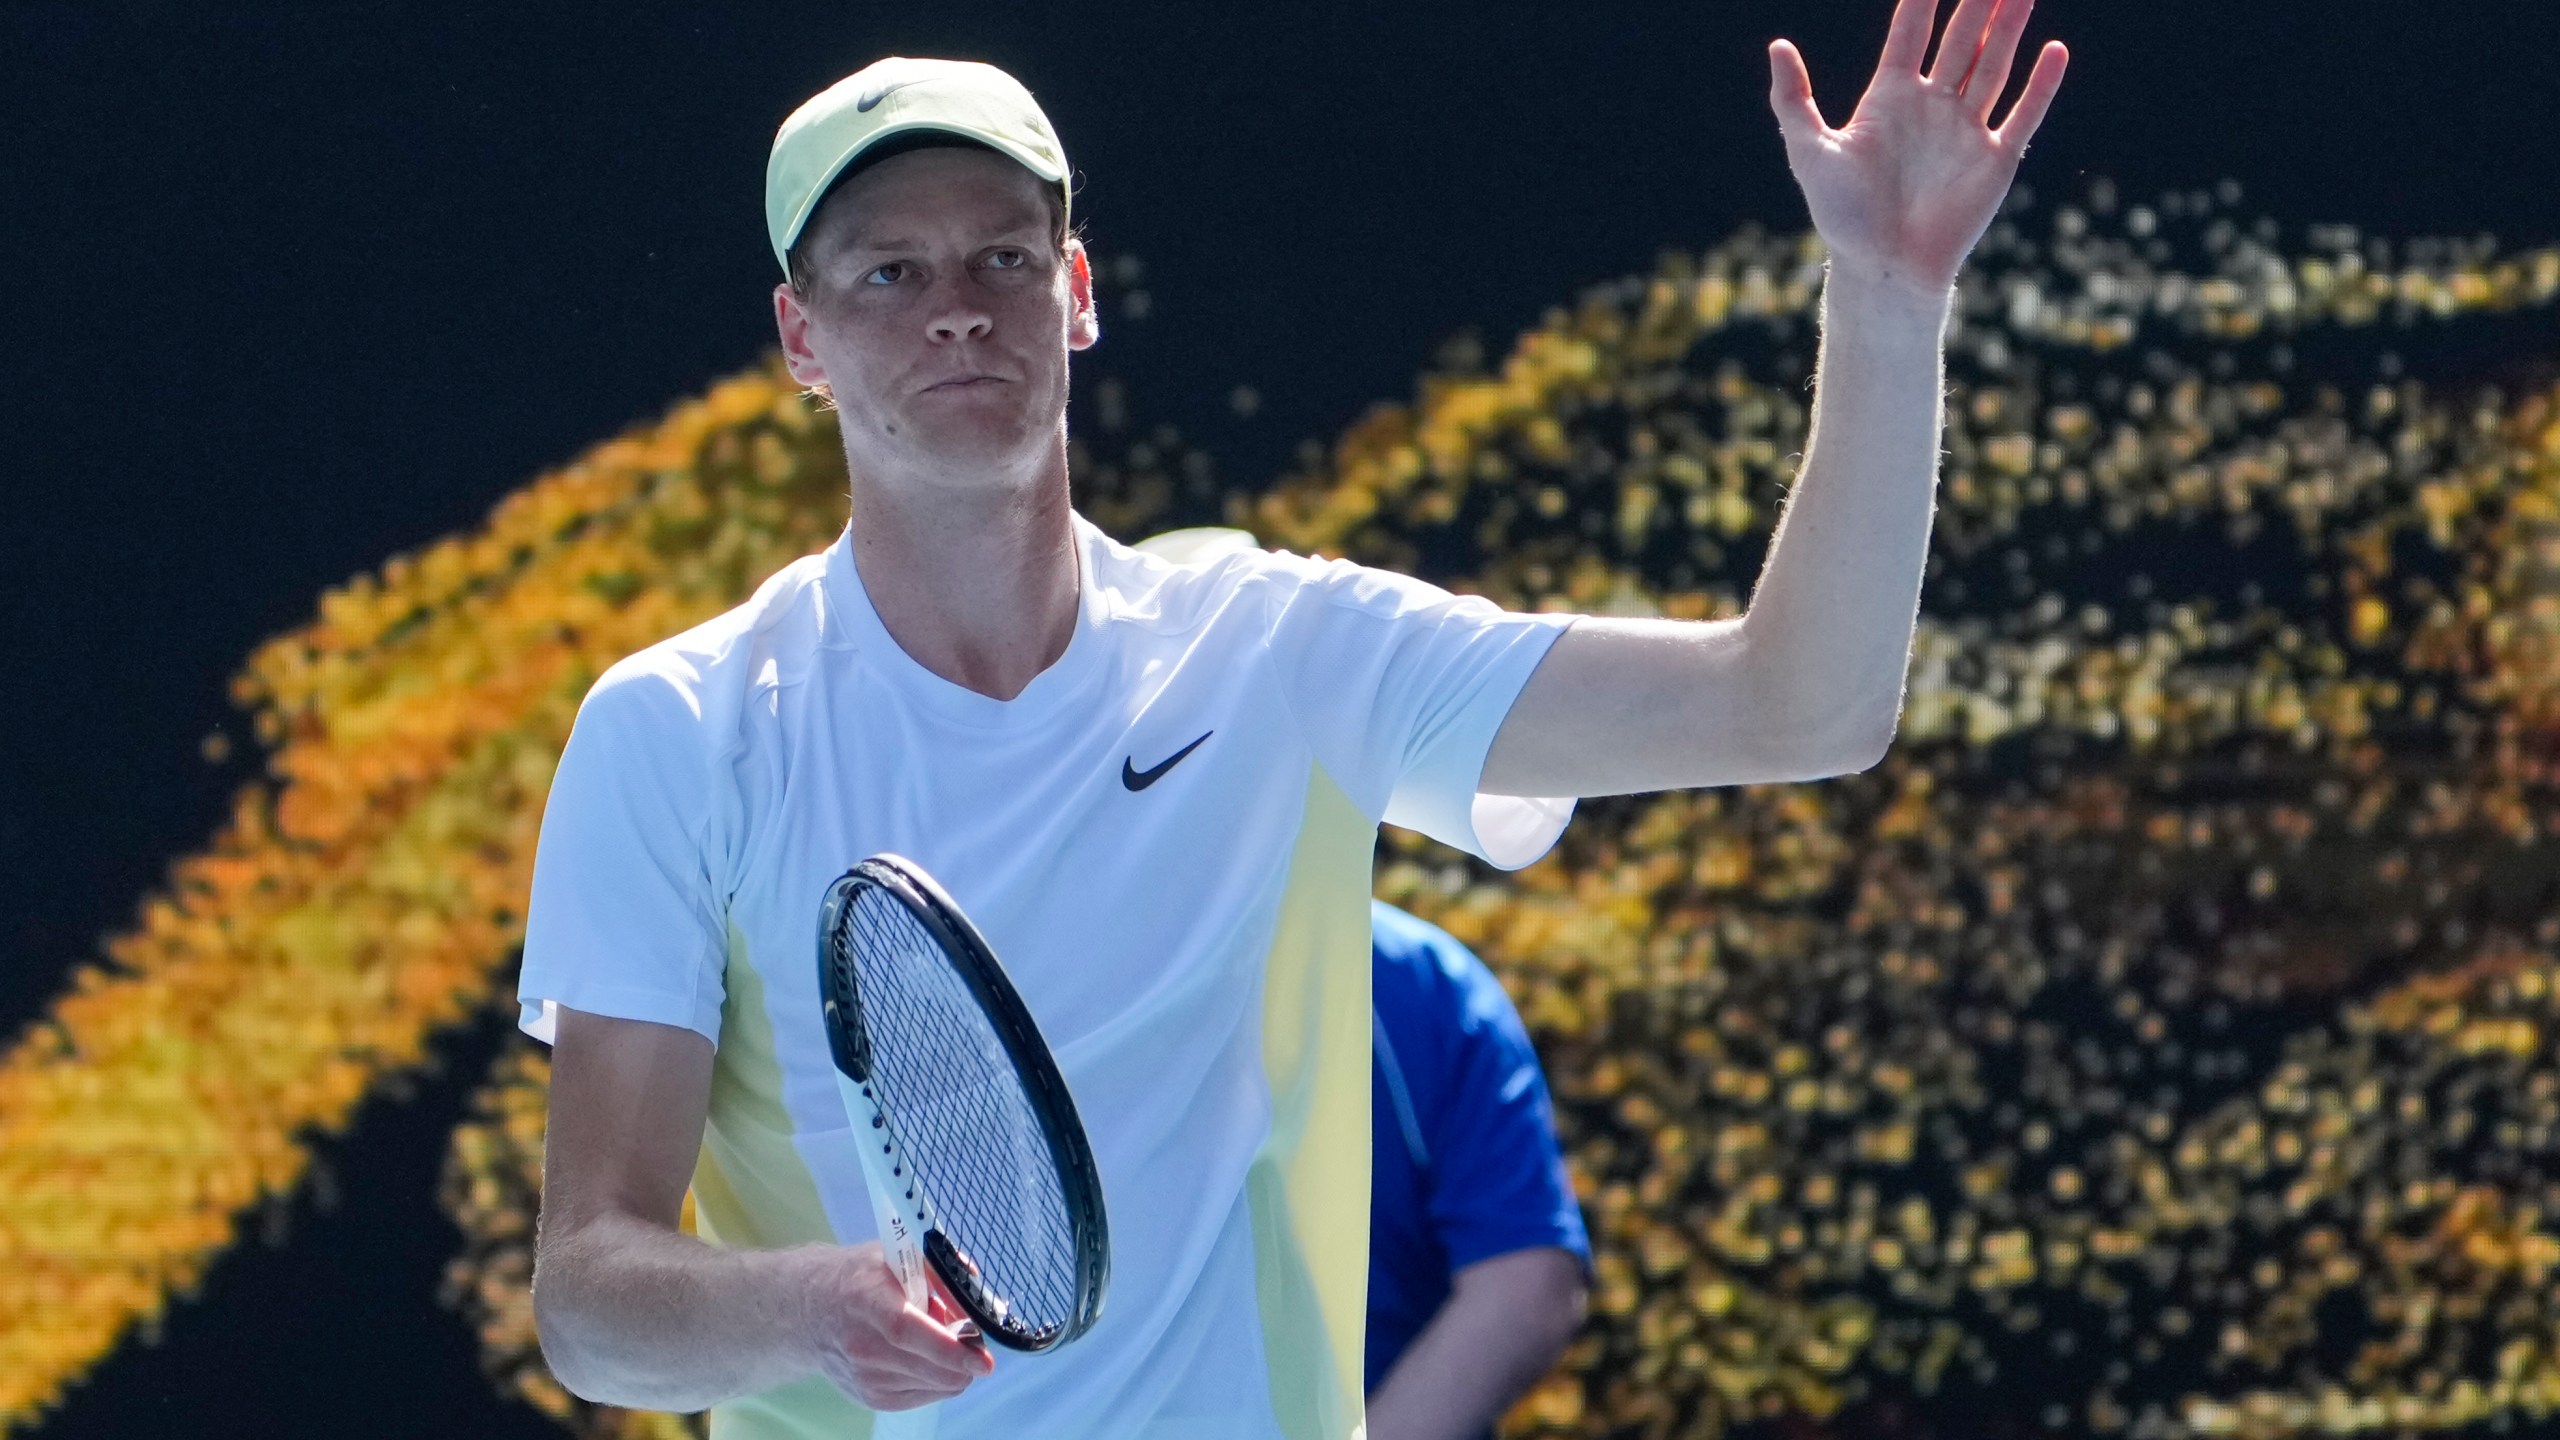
(1047, 169)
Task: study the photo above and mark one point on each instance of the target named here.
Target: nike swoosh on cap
(879, 93)
(1137, 779)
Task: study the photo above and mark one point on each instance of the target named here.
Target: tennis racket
(976, 1162)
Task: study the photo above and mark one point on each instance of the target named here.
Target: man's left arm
(1808, 682)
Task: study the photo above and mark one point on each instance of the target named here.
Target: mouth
(964, 382)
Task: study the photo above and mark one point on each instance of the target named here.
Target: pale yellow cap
(897, 96)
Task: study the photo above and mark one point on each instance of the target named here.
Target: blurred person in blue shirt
(1478, 1263)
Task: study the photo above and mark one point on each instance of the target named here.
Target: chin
(992, 448)
(993, 423)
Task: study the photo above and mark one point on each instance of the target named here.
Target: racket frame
(910, 1227)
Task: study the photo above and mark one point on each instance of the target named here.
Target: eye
(1008, 259)
(891, 271)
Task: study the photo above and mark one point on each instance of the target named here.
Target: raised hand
(1903, 191)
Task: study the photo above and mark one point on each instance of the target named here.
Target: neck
(977, 586)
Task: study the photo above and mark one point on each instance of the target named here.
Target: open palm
(1904, 190)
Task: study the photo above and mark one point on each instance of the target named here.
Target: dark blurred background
(287, 289)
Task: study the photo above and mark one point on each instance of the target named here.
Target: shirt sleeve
(1400, 686)
(1498, 1177)
(626, 918)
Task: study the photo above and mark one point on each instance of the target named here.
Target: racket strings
(944, 1076)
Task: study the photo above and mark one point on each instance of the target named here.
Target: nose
(956, 313)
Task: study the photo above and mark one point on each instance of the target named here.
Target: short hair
(796, 262)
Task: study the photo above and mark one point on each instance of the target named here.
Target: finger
(945, 1370)
(891, 1377)
(1906, 44)
(963, 1332)
(910, 1397)
(945, 1332)
(953, 1345)
(1961, 44)
(1999, 51)
(1791, 93)
(916, 1335)
(2028, 113)
(937, 1289)
(945, 1309)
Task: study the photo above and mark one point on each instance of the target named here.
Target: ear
(791, 321)
(1084, 323)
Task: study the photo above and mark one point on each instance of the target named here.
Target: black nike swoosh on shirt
(1137, 779)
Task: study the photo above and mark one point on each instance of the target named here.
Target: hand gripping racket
(976, 1162)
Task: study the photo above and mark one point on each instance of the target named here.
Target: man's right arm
(633, 1312)
(1507, 1319)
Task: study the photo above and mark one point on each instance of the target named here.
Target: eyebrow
(858, 238)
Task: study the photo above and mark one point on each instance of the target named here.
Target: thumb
(944, 1310)
(1791, 93)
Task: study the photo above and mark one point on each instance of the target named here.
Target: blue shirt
(1466, 1165)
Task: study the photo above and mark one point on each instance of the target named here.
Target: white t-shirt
(1191, 935)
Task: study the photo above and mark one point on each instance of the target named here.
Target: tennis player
(1154, 786)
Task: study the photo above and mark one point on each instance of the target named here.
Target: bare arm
(1506, 1321)
(1809, 682)
(633, 1312)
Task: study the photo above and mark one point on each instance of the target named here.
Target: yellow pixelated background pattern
(2159, 1042)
